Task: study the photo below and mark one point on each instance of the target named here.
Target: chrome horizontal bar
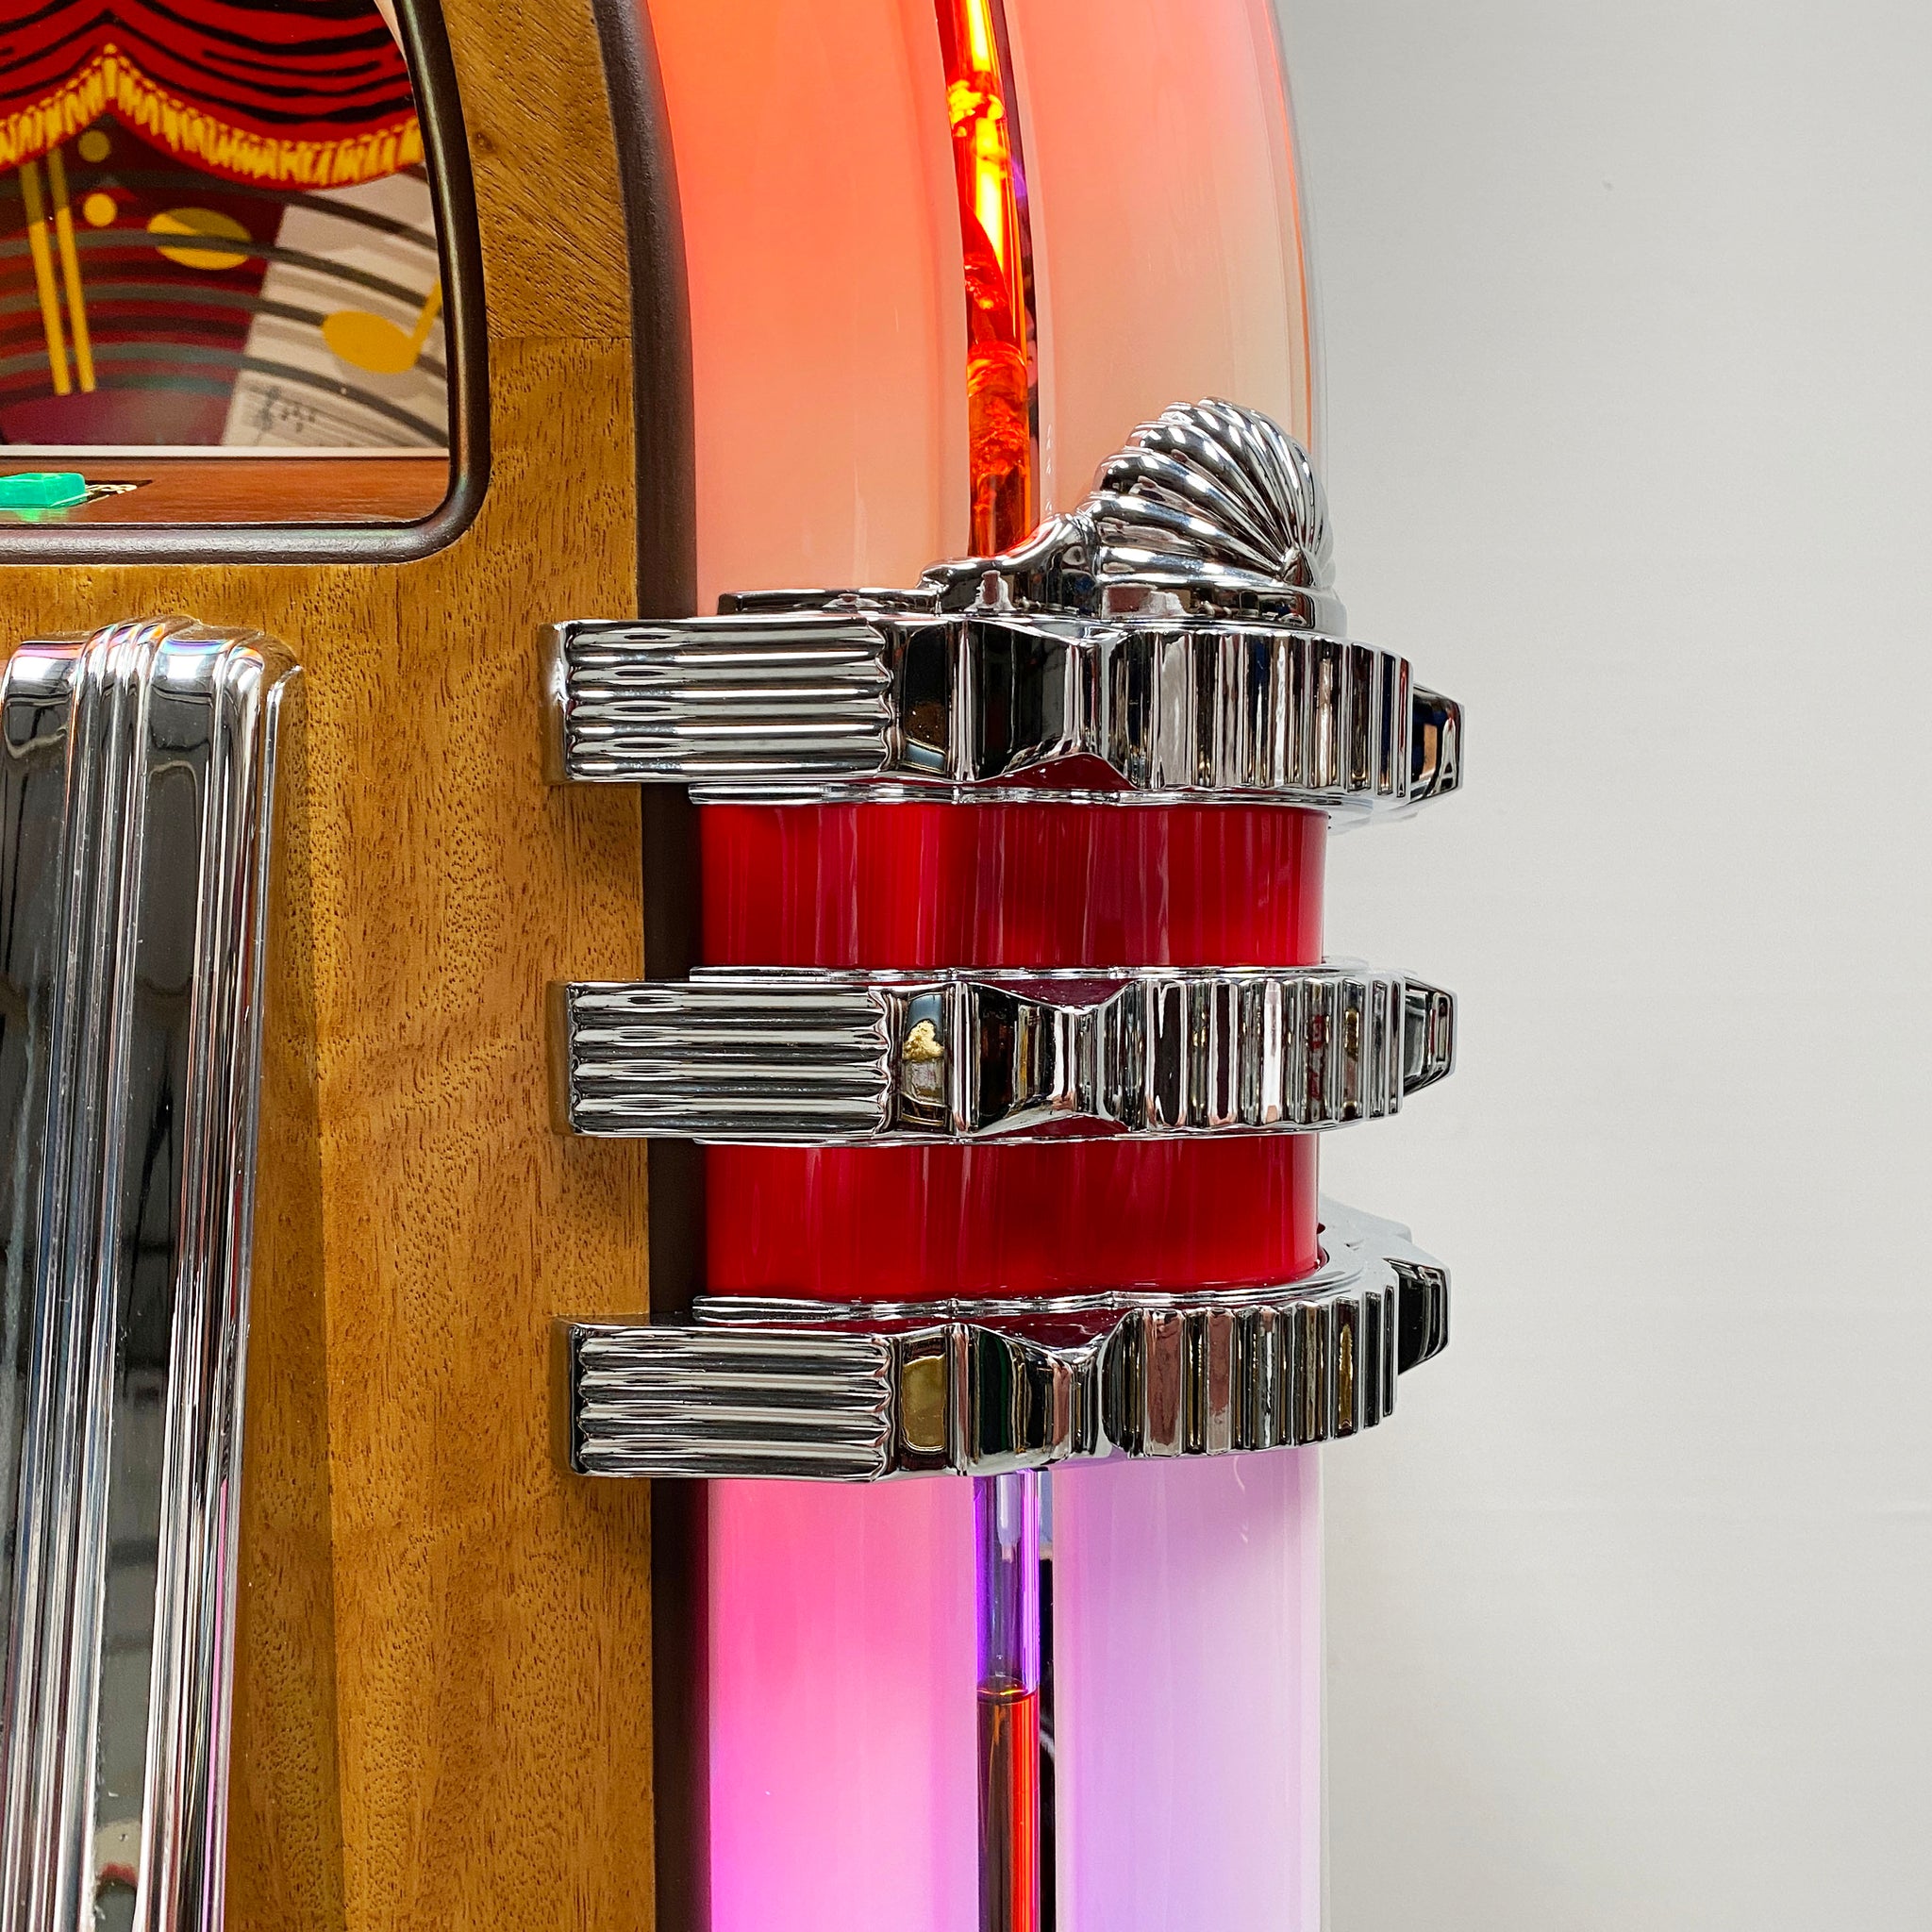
(1172, 638)
(797, 1056)
(858, 1393)
(802, 704)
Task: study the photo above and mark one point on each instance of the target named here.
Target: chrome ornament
(1211, 504)
(811, 1058)
(853, 1392)
(1174, 637)
(137, 780)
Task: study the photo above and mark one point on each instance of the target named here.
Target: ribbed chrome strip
(806, 1058)
(808, 704)
(724, 1060)
(855, 1392)
(722, 700)
(659, 1401)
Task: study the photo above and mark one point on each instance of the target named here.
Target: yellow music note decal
(375, 343)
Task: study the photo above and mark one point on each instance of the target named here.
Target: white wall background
(1628, 319)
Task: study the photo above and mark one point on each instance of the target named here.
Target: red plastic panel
(920, 1224)
(1020, 885)
(1012, 885)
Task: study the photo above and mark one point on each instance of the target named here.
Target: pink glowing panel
(843, 1742)
(821, 244)
(1188, 1693)
(1166, 237)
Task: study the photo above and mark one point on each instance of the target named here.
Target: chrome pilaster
(137, 779)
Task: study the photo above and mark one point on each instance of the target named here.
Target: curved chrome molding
(858, 1393)
(137, 772)
(1173, 639)
(804, 1057)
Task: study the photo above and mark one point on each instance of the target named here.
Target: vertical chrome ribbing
(136, 785)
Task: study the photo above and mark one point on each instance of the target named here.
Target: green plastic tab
(42, 489)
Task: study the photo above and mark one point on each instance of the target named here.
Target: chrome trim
(806, 1057)
(1173, 639)
(1211, 508)
(861, 1392)
(813, 703)
(137, 777)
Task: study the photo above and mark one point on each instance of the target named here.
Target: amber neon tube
(1001, 433)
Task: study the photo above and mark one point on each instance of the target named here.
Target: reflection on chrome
(811, 1058)
(857, 1392)
(1174, 637)
(137, 770)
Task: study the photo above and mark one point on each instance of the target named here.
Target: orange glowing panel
(1161, 196)
(991, 187)
(815, 180)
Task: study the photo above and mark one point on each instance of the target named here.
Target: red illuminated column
(1040, 886)
(1012, 1034)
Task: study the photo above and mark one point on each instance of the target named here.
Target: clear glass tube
(821, 240)
(1006, 1511)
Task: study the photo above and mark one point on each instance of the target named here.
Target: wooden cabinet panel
(442, 1711)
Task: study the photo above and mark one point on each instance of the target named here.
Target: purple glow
(1005, 1512)
(843, 1742)
(1188, 1693)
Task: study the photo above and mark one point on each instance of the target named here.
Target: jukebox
(667, 1018)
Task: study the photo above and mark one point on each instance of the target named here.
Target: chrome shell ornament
(1174, 637)
(1211, 504)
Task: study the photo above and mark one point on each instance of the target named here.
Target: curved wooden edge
(660, 314)
(666, 448)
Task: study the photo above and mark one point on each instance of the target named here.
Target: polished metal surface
(811, 704)
(858, 1392)
(137, 775)
(806, 1056)
(1211, 506)
(1173, 639)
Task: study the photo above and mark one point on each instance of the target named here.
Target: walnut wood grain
(443, 1699)
(285, 1826)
